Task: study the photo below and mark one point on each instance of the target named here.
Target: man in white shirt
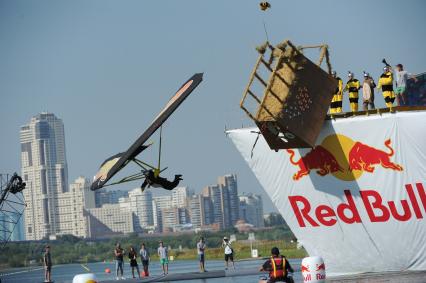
(229, 252)
(401, 84)
(201, 247)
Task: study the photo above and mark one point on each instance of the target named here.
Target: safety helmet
(275, 251)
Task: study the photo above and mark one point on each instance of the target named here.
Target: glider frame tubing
(136, 176)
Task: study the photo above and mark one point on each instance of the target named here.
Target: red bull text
(378, 210)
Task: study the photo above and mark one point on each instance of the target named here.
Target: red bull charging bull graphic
(341, 156)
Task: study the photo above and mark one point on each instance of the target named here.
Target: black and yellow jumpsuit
(386, 84)
(337, 100)
(353, 86)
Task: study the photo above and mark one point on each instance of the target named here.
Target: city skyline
(24, 149)
(56, 207)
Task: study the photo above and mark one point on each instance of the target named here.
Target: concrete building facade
(251, 209)
(45, 170)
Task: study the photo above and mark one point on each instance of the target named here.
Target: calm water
(65, 273)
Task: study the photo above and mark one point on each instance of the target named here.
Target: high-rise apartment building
(71, 208)
(110, 220)
(141, 206)
(160, 203)
(224, 201)
(251, 209)
(180, 196)
(214, 194)
(44, 169)
(230, 187)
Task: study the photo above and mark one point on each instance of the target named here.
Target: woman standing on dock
(133, 262)
(144, 253)
(118, 252)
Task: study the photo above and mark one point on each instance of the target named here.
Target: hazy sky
(107, 67)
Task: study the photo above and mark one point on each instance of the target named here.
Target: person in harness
(278, 268)
(153, 179)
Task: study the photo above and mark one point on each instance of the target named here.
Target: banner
(358, 198)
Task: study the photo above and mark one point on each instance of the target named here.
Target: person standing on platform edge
(144, 253)
(386, 84)
(119, 253)
(229, 253)
(133, 262)
(368, 92)
(337, 100)
(352, 86)
(163, 253)
(47, 262)
(201, 247)
(278, 267)
(401, 84)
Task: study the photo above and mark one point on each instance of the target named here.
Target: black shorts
(229, 257)
(145, 262)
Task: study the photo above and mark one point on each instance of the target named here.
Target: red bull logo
(343, 158)
(305, 268)
(320, 267)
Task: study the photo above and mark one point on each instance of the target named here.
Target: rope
(266, 32)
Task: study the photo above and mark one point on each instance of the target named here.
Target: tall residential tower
(44, 169)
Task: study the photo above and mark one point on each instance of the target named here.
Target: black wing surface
(115, 163)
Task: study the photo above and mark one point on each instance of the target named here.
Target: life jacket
(278, 267)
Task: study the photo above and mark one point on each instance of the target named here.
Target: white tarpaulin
(358, 199)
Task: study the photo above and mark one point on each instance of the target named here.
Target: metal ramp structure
(12, 205)
(292, 97)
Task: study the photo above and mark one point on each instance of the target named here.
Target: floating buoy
(264, 5)
(85, 278)
(144, 274)
(313, 270)
(107, 270)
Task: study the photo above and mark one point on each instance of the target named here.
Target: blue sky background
(107, 67)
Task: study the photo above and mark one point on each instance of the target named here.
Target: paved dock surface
(193, 276)
(388, 277)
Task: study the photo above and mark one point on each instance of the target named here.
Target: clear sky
(107, 67)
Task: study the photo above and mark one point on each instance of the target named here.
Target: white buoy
(313, 269)
(85, 278)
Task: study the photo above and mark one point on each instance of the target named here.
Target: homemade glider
(115, 163)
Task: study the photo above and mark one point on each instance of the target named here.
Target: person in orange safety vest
(278, 267)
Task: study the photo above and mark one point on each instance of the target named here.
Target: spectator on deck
(201, 247)
(133, 262)
(401, 84)
(229, 253)
(118, 253)
(368, 86)
(47, 262)
(144, 253)
(163, 254)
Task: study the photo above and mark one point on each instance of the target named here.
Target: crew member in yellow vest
(337, 100)
(386, 84)
(352, 86)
